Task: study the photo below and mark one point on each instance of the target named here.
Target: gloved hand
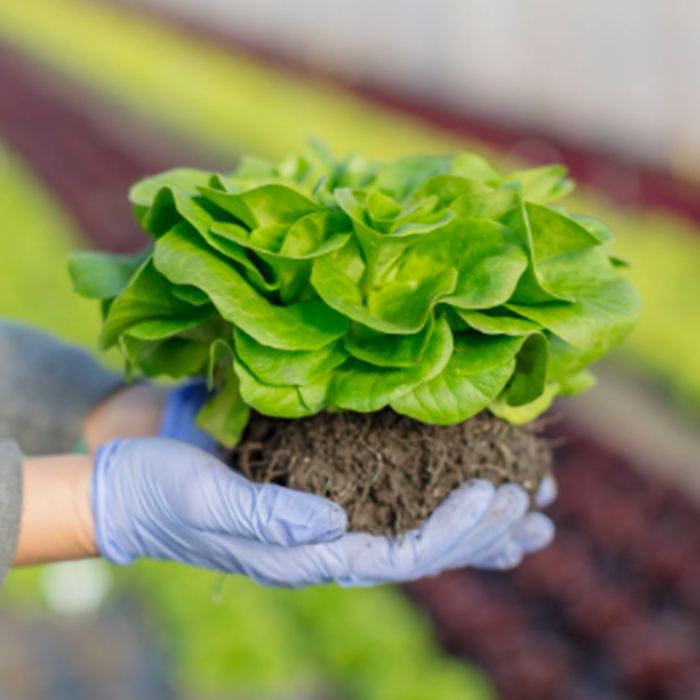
(532, 532)
(528, 534)
(182, 404)
(160, 499)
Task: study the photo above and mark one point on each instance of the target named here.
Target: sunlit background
(96, 93)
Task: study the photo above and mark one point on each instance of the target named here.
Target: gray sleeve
(10, 503)
(47, 387)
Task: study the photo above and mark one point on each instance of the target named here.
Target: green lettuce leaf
(545, 184)
(359, 386)
(477, 372)
(226, 414)
(103, 275)
(487, 256)
(173, 357)
(605, 309)
(304, 326)
(497, 321)
(284, 367)
(386, 350)
(525, 413)
(401, 178)
(577, 383)
(555, 234)
(184, 180)
(474, 167)
(148, 297)
(263, 206)
(399, 307)
(437, 286)
(530, 375)
(282, 401)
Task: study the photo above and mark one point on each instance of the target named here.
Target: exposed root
(387, 471)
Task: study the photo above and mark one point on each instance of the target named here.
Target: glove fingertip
(481, 487)
(332, 526)
(509, 556)
(547, 492)
(295, 518)
(514, 500)
(534, 532)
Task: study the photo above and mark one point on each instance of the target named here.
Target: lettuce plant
(437, 287)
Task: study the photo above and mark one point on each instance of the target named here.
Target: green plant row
(33, 287)
(230, 635)
(435, 286)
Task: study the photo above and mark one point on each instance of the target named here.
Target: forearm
(57, 522)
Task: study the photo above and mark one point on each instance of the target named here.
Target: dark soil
(387, 471)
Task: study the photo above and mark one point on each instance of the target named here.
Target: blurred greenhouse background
(620, 78)
(94, 94)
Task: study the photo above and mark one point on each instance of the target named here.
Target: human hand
(530, 533)
(477, 526)
(160, 499)
(145, 410)
(179, 421)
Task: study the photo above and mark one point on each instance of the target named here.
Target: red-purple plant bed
(610, 611)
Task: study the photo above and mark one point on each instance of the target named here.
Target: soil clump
(387, 471)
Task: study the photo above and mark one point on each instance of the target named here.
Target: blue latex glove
(160, 499)
(530, 533)
(527, 535)
(179, 417)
